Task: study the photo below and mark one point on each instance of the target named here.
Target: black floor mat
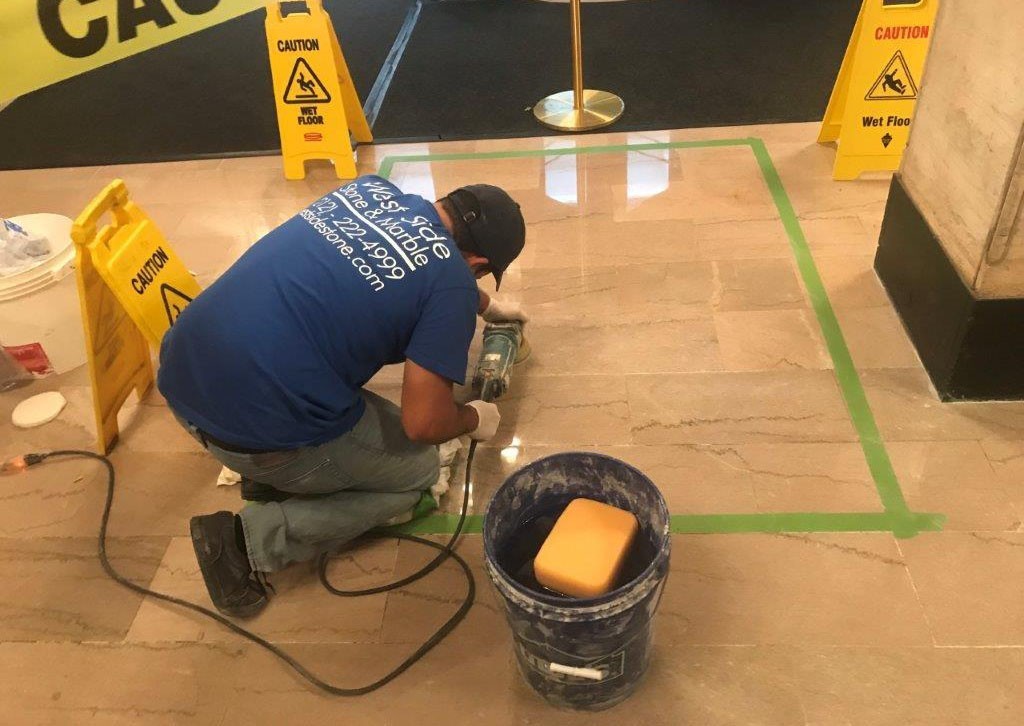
(471, 70)
(472, 67)
(206, 94)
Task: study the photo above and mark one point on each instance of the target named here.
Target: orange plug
(19, 463)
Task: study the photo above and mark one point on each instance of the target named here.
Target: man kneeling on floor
(266, 369)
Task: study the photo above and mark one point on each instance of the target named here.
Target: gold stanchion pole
(579, 109)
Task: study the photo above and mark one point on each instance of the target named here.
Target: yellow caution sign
(135, 261)
(317, 103)
(131, 287)
(872, 103)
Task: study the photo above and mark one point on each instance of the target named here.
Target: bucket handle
(592, 674)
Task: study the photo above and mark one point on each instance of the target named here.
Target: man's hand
(488, 419)
(430, 414)
(504, 312)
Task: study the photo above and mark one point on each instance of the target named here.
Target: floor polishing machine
(503, 347)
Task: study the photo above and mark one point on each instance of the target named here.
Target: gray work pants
(342, 488)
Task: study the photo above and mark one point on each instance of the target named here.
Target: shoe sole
(244, 611)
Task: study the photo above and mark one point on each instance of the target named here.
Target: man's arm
(429, 412)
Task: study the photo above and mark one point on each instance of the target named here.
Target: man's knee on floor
(426, 467)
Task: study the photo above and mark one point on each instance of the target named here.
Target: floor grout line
(917, 593)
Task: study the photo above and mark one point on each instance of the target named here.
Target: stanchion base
(600, 108)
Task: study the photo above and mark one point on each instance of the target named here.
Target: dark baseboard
(973, 349)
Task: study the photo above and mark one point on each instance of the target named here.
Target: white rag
(447, 453)
(227, 477)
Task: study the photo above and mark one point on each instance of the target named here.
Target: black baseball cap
(495, 224)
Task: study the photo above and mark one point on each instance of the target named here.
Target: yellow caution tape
(45, 41)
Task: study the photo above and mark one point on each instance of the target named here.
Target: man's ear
(476, 262)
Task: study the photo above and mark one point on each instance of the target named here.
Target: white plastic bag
(19, 248)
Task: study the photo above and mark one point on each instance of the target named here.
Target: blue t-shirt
(273, 354)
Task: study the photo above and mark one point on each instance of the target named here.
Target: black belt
(233, 448)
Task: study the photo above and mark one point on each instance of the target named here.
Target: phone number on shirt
(344, 232)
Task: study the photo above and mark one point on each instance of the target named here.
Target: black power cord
(445, 551)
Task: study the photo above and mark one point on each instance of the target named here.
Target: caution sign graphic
(872, 104)
(304, 86)
(317, 103)
(174, 302)
(894, 83)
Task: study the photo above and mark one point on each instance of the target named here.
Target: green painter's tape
(897, 518)
(904, 525)
(846, 373)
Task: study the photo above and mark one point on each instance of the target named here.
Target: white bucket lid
(38, 410)
(57, 229)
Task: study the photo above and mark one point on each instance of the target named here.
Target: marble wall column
(951, 250)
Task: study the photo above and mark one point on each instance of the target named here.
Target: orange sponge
(585, 551)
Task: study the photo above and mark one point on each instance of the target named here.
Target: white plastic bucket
(40, 316)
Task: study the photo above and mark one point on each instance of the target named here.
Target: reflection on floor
(670, 328)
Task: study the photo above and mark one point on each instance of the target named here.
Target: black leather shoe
(255, 492)
(234, 588)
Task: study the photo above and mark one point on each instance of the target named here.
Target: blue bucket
(607, 639)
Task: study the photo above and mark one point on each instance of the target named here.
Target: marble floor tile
(1007, 460)
(55, 589)
(872, 221)
(56, 191)
(741, 239)
(156, 494)
(146, 426)
(705, 191)
(757, 285)
(725, 686)
(58, 683)
(693, 479)
(636, 293)
(168, 684)
(969, 586)
(594, 239)
(839, 236)
(815, 477)
(906, 408)
(851, 281)
(789, 406)
(301, 611)
(762, 340)
(565, 411)
(806, 171)
(710, 478)
(601, 347)
(64, 432)
(421, 608)
(1006, 457)
(954, 478)
(909, 686)
(790, 589)
(876, 338)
